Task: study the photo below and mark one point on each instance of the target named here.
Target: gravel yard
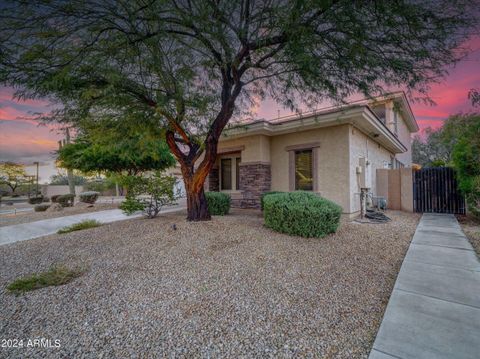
(26, 217)
(471, 228)
(225, 288)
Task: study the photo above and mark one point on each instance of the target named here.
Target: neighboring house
(333, 152)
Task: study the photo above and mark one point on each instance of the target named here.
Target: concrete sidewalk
(25, 231)
(434, 309)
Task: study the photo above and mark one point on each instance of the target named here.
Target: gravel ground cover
(225, 288)
(471, 228)
(26, 217)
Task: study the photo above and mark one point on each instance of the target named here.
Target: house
(334, 152)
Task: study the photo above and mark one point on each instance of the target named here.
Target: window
(230, 173)
(237, 173)
(226, 173)
(304, 170)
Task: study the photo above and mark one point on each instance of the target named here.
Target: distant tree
(107, 147)
(462, 132)
(432, 150)
(12, 175)
(190, 65)
(60, 179)
(474, 96)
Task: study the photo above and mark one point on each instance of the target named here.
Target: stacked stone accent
(213, 180)
(256, 179)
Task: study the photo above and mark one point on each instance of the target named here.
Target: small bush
(54, 198)
(88, 223)
(218, 203)
(302, 214)
(89, 197)
(66, 200)
(262, 197)
(55, 276)
(35, 200)
(41, 207)
(46, 199)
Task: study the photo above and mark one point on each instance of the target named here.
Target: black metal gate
(435, 190)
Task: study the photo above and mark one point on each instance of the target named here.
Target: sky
(25, 141)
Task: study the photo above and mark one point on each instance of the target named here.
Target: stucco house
(334, 152)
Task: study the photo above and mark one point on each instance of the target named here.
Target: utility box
(364, 173)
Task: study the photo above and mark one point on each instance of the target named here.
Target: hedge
(89, 197)
(55, 197)
(218, 203)
(264, 194)
(35, 200)
(301, 214)
(41, 207)
(66, 200)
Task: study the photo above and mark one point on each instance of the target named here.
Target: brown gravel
(225, 288)
(25, 217)
(471, 227)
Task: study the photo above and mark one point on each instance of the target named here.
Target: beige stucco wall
(405, 137)
(256, 148)
(331, 161)
(362, 146)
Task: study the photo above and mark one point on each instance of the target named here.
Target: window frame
(314, 147)
(233, 157)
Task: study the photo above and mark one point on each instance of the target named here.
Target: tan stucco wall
(331, 161)
(362, 146)
(405, 137)
(257, 148)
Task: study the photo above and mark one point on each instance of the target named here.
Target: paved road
(434, 310)
(25, 231)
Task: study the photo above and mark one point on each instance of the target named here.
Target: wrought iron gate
(435, 190)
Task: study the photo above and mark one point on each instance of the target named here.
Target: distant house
(334, 152)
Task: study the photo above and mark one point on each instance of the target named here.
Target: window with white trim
(230, 173)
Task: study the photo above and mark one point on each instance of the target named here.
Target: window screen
(304, 170)
(226, 168)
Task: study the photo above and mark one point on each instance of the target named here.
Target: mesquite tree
(192, 65)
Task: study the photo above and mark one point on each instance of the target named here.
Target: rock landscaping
(229, 287)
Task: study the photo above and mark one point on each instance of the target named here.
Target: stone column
(255, 178)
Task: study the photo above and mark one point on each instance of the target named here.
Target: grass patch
(89, 223)
(57, 275)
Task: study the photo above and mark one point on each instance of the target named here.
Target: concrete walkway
(434, 310)
(25, 231)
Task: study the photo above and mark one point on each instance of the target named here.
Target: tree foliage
(191, 65)
(431, 150)
(12, 175)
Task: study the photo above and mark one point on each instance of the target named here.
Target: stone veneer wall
(255, 178)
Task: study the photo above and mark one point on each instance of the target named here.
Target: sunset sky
(23, 140)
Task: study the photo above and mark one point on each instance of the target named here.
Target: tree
(12, 174)
(433, 150)
(192, 65)
(62, 180)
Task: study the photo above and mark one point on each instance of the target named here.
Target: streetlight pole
(36, 191)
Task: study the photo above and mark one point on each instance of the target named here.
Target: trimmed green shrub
(46, 199)
(218, 203)
(66, 200)
(89, 197)
(41, 207)
(264, 194)
(86, 224)
(301, 214)
(35, 200)
(54, 198)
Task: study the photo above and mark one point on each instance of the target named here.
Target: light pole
(36, 191)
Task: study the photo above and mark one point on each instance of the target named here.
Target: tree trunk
(197, 208)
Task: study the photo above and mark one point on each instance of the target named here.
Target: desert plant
(35, 200)
(264, 194)
(89, 197)
(302, 214)
(148, 194)
(66, 200)
(54, 198)
(88, 223)
(41, 207)
(55, 276)
(218, 203)
(46, 199)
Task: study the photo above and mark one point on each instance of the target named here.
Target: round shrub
(264, 194)
(35, 200)
(41, 207)
(301, 214)
(89, 197)
(55, 197)
(66, 200)
(218, 203)
(46, 199)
